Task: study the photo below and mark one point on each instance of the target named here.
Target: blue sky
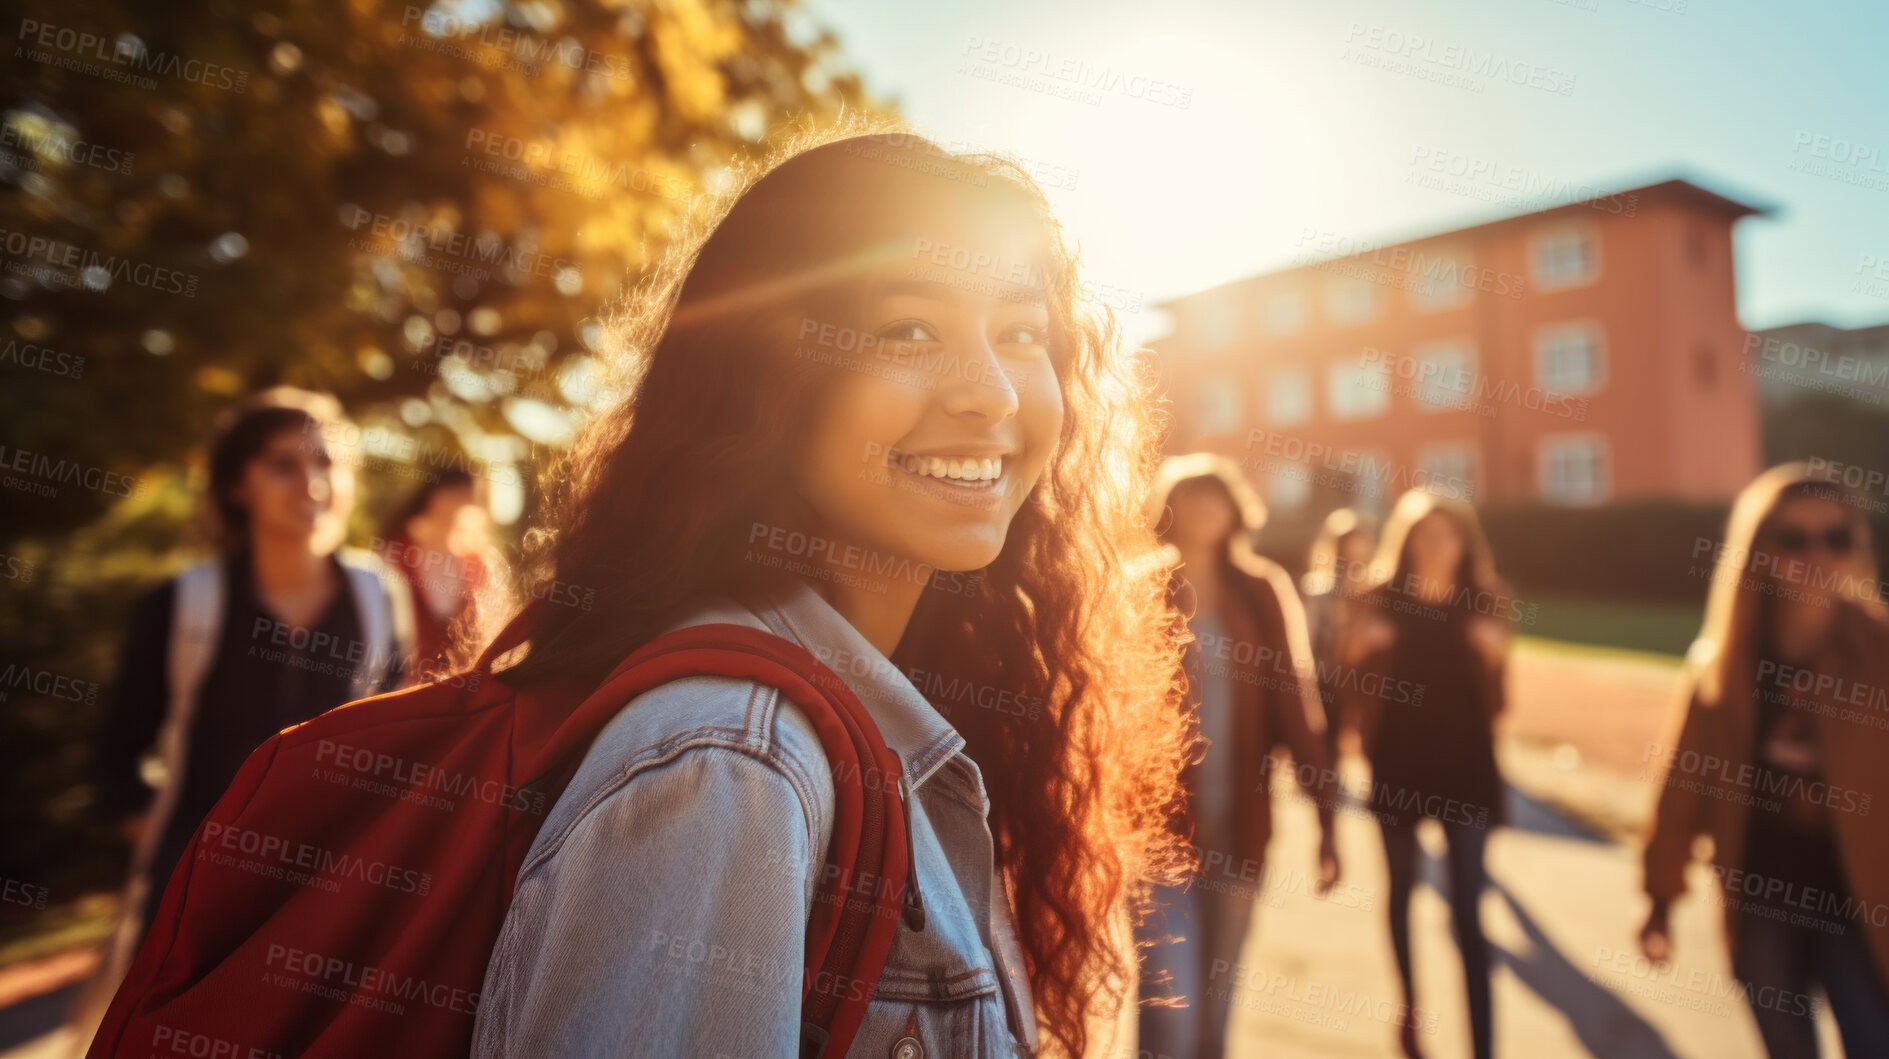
(1323, 117)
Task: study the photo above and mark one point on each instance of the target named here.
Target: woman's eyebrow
(918, 289)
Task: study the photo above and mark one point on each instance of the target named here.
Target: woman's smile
(966, 472)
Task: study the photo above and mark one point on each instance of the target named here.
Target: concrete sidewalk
(1562, 914)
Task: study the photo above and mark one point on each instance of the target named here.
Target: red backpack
(343, 897)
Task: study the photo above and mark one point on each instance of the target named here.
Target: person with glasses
(1779, 756)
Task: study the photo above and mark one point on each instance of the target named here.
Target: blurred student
(1434, 620)
(1335, 578)
(1786, 699)
(1251, 684)
(280, 627)
(440, 542)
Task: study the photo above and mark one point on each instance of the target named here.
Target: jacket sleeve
(134, 710)
(1679, 809)
(669, 920)
(1495, 677)
(1295, 702)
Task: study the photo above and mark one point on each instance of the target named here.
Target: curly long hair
(654, 502)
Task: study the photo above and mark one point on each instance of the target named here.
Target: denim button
(908, 1048)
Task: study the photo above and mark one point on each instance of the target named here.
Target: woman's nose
(980, 386)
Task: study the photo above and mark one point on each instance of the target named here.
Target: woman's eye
(908, 331)
(1022, 333)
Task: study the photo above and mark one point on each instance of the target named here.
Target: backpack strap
(196, 619)
(197, 607)
(195, 629)
(196, 626)
(386, 618)
(868, 887)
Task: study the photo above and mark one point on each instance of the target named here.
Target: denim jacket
(662, 909)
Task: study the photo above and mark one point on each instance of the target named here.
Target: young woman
(1434, 620)
(282, 626)
(1786, 697)
(871, 416)
(440, 542)
(1335, 577)
(1251, 685)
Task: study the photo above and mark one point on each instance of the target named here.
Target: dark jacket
(1268, 657)
(1428, 704)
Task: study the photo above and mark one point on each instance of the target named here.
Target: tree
(417, 208)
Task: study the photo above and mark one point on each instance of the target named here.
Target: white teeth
(972, 469)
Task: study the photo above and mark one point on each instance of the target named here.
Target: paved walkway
(1604, 704)
(1562, 913)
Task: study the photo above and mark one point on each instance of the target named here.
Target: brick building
(1577, 355)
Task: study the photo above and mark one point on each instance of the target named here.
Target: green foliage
(418, 213)
(532, 161)
(1830, 427)
(1659, 628)
(1627, 553)
(1641, 550)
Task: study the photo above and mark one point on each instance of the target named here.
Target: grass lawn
(1655, 628)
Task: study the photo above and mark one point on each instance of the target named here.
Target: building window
(1450, 468)
(1570, 359)
(1705, 365)
(1288, 396)
(1285, 312)
(1575, 469)
(1217, 323)
(1218, 411)
(1446, 376)
(1437, 281)
(1568, 256)
(1358, 390)
(1696, 249)
(1350, 300)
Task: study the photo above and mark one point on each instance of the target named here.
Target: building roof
(1676, 188)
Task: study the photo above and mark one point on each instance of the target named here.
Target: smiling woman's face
(939, 407)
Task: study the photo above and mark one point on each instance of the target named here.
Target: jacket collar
(912, 727)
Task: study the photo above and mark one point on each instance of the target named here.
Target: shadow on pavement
(33, 1018)
(1604, 1023)
(1538, 817)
